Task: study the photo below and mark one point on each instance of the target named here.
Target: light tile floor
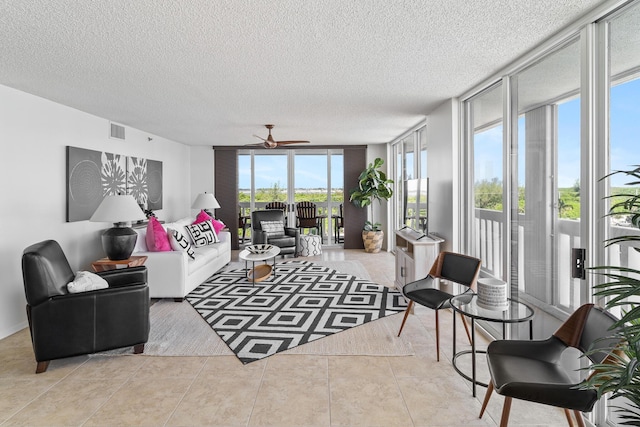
(282, 390)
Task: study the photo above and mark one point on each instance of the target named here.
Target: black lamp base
(119, 242)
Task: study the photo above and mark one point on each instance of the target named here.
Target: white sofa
(174, 274)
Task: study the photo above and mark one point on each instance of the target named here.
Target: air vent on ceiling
(117, 131)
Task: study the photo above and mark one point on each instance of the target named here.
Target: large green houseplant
(620, 375)
(373, 184)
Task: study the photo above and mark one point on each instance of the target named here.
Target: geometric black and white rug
(303, 303)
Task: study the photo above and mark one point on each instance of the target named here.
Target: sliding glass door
(292, 176)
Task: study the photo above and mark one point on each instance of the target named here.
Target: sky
(310, 171)
(624, 139)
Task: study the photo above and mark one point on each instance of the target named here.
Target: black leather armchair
(288, 242)
(64, 324)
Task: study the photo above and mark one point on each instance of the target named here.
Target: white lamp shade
(205, 201)
(120, 208)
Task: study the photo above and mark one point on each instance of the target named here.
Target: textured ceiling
(205, 72)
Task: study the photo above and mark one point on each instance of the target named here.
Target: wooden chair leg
(437, 337)
(138, 349)
(42, 367)
(486, 398)
(567, 414)
(406, 314)
(506, 408)
(466, 327)
(579, 418)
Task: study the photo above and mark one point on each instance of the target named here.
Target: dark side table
(466, 304)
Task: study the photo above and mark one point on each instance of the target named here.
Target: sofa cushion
(273, 228)
(157, 239)
(202, 234)
(180, 243)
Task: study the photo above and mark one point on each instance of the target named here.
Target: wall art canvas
(91, 175)
(144, 182)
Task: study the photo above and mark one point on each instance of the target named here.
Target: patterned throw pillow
(180, 243)
(273, 228)
(202, 233)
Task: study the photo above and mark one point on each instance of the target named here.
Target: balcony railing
(322, 209)
(489, 247)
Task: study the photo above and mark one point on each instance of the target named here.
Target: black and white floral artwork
(91, 175)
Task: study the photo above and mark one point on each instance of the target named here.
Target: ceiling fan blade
(293, 142)
(259, 137)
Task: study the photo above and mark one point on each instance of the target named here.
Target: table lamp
(119, 241)
(205, 201)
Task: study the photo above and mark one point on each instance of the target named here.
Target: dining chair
(244, 223)
(450, 266)
(279, 205)
(338, 224)
(534, 371)
(307, 217)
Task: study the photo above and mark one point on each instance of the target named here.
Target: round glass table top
(467, 304)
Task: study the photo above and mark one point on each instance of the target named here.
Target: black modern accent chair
(449, 266)
(64, 324)
(286, 240)
(532, 370)
(307, 217)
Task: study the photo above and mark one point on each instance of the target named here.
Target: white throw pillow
(86, 281)
(273, 228)
(180, 243)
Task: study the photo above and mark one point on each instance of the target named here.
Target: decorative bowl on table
(259, 249)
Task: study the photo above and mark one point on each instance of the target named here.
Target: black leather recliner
(64, 324)
(288, 242)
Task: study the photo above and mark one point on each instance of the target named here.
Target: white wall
(201, 172)
(442, 170)
(34, 133)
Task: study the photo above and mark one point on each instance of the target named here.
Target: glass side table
(466, 304)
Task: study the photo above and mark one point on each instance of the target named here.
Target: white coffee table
(262, 271)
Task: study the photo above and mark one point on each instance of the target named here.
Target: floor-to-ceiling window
(292, 176)
(409, 172)
(570, 117)
(548, 169)
(486, 183)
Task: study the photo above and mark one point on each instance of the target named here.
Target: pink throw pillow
(203, 216)
(157, 238)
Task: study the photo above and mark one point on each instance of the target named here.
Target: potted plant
(372, 185)
(620, 375)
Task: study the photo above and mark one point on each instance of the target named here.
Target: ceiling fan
(269, 142)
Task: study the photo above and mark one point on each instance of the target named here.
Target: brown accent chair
(64, 324)
(307, 217)
(454, 267)
(532, 370)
